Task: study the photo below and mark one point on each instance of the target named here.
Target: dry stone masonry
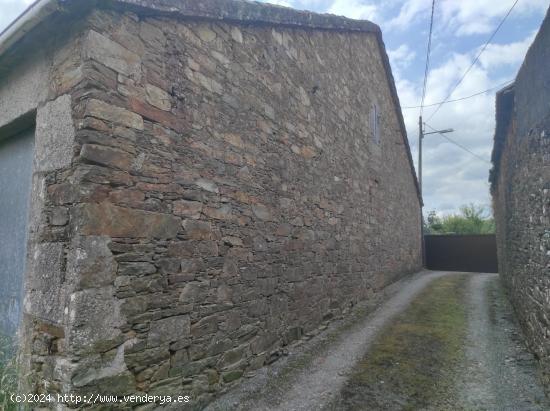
(521, 194)
(207, 189)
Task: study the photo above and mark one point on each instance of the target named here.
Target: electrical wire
(428, 52)
(475, 60)
(458, 144)
(462, 98)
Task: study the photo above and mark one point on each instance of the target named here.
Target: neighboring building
(210, 181)
(521, 194)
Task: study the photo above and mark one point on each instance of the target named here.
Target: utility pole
(421, 135)
(420, 138)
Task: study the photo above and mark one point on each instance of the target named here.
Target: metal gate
(16, 156)
(471, 253)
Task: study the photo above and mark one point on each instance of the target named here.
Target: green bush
(472, 219)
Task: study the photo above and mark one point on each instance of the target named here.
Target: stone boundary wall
(219, 194)
(521, 195)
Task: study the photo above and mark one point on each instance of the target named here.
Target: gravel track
(498, 372)
(317, 383)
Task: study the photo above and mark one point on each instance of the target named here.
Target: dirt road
(442, 341)
(499, 374)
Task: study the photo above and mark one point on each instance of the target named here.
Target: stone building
(196, 185)
(520, 184)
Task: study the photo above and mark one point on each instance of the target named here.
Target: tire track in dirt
(499, 373)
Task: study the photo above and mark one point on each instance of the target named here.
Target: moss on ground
(282, 379)
(8, 373)
(410, 365)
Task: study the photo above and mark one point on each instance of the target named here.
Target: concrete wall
(521, 195)
(217, 194)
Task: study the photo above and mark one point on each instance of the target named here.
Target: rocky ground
(441, 341)
(499, 373)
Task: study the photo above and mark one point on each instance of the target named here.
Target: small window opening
(375, 123)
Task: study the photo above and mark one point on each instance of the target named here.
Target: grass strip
(410, 365)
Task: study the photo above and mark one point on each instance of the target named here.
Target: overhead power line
(475, 60)
(428, 52)
(458, 145)
(462, 98)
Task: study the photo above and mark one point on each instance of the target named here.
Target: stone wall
(224, 195)
(521, 195)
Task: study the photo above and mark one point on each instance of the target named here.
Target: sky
(451, 176)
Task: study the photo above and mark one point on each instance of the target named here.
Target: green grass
(8, 373)
(409, 367)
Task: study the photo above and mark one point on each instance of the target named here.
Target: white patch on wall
(55, 134)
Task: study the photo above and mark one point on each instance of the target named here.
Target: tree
(472, 219)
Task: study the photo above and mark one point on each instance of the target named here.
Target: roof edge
(246, 11)
(241, 11)
(399, 113)
(504, 103)
(37, 12)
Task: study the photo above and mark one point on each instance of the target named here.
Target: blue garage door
(16, 155)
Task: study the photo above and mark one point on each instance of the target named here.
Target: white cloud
(464, 17)
(496, 55)
(401, 57)
(408, 12)
(453, 177)
(354, 9)
(479, 17)
(279, 3)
